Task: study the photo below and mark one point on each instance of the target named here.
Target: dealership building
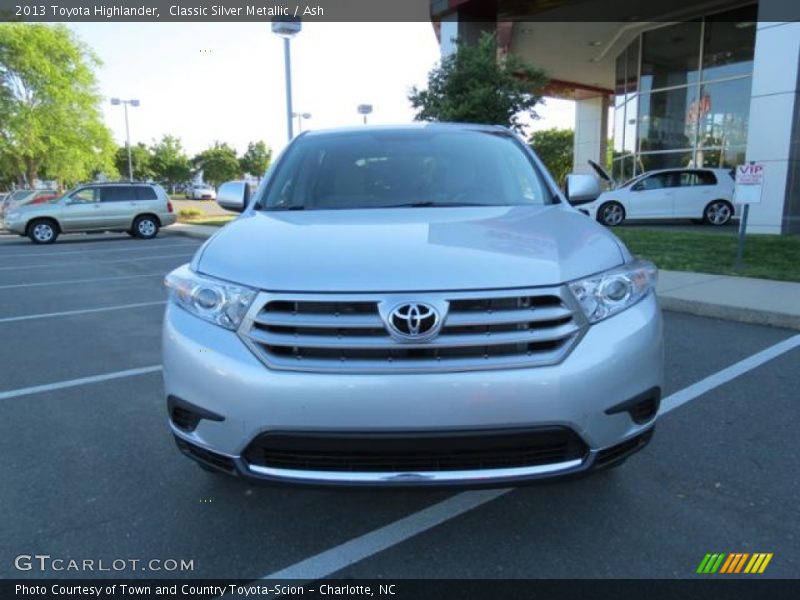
(684, 83)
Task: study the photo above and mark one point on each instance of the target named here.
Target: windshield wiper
(290, 207)
(432, 203)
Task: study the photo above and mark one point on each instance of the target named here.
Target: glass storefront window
(682, 94)
(619, 127)
(729, 43)
(670, 56)
(622, 169)
(667, 119)
(632, 67)
(665, 160)
(619, 80)
(725, 112)
(720, 158)
(631, 115)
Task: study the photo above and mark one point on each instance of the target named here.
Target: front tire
(611, 214)
(43, 231)
(718, 213)
(145, 227)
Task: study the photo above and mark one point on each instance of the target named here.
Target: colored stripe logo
(734, 562)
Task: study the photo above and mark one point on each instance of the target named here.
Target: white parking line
(97, 262)
(340, 557)
(71, 281)
(126, 248)
(691, 392)
(60, 385)
(83, 311)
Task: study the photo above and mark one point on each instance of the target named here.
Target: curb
(730, 313)
(186, 232)
(679, 305)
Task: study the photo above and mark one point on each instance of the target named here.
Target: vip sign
(749, 181)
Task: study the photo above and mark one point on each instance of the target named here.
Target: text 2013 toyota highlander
(411, 305)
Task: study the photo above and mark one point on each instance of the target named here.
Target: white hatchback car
(689, 193)
(201, 192)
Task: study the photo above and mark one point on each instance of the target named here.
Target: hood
(602, 173)
(409, 249)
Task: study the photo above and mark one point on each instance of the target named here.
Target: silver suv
(139, 209)
(411, 306)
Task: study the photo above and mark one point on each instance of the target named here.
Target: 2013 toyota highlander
(412, 305)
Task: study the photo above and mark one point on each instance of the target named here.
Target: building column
(591, 133)
(774, 124)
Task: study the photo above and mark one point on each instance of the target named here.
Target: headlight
(216, 301)
(606, 294)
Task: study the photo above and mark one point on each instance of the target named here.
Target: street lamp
(301, 116)
(117, 102)
(287, 29)
(364, 109)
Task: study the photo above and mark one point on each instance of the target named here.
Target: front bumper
(212, 370)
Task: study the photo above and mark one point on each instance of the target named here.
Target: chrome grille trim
(345, 333)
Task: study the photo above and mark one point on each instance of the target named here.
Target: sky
(225, 81)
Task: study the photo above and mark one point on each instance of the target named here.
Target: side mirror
(233, 195)
(582, 188)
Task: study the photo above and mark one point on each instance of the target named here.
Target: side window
(116, 193)
(144, 192)
(687, 179)
(705, 178)
(85, 195)
(654, 182)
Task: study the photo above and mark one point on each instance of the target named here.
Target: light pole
(287, 29)
(364, 109)
(301, 116)
(117, 102)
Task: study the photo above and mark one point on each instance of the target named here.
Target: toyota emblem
(413, 321)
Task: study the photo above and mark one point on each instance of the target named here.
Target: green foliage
(219, 164)
(141, 159)
(256, 159)
(472, 86)
(169, 162)
(555, 148)
(50, 119)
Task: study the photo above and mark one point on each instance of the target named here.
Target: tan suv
(140, 209)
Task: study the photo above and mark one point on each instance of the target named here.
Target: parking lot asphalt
(90, 471)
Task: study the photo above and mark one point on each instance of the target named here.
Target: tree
(472, 86)
(169, 162)
(219, 164)
(256, 160)
(141, 160)
(555, 148)
(50, 119)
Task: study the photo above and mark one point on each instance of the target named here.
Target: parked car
(137, 208)
(690, 193)
(24, 197)
(201, 192)
(411, 305)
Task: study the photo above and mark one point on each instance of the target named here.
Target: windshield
(19, 195)
(402, 168)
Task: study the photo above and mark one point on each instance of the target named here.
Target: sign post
(749, 181)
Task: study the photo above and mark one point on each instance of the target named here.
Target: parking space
(89, 468)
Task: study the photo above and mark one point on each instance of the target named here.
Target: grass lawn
(765, 256)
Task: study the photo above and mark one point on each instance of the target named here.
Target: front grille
(480, 330)
(415, 451)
